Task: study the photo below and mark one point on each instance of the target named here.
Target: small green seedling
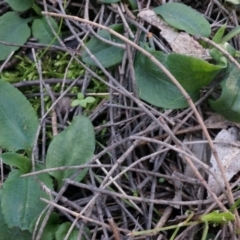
(81, 101)
(214, 217)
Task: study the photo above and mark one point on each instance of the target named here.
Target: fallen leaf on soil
(229, 155)
(180, 42)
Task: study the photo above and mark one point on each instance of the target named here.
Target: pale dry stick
(114, 229)
(53, 115)
(164, 217)
(129, 12)
(118, 187)
(41, 83)
(131, 70)
(66, 168)
(209, 9)
(115, 5)
(38, 222)
(38, 66)
(178, 85)
(6, 61)
(119, 45)
(50, 209)
(214, 141)
(77, 215)
(56, 35)
(220, 6)
(74, 223)
(103, 94)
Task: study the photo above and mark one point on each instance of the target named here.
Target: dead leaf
(180, 42)
(229, 156)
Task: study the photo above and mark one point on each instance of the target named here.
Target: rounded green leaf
(193, 73)
(184, 18)
(153, 85)
(156, 88)
(21, 204)
(74, 146)
(80, 96)
(20, 6)
(13, 30)
(12, 233)
(90, 99)
(83, 103)
(18, 119)
(43, 32)
(106, 54)
(75, 103)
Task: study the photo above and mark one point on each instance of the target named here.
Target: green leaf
(13, 30)
(20, 6)
(193, 73)
(80, 96)
(51, 226)
(219, 34)
(184, 18)
(62, 232)
(106, 54)
(235, 205)
(228, 103)
(83, 103)
(12, 233)
(154, 86)
(74, 146)
(231, 35)
(133, 4)
(219, 56)
(43, 32)
(18, 119)
(21, 204)
(37, 9)
(17, 160)
(75, 103)
(90, 99)
(218, 217)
